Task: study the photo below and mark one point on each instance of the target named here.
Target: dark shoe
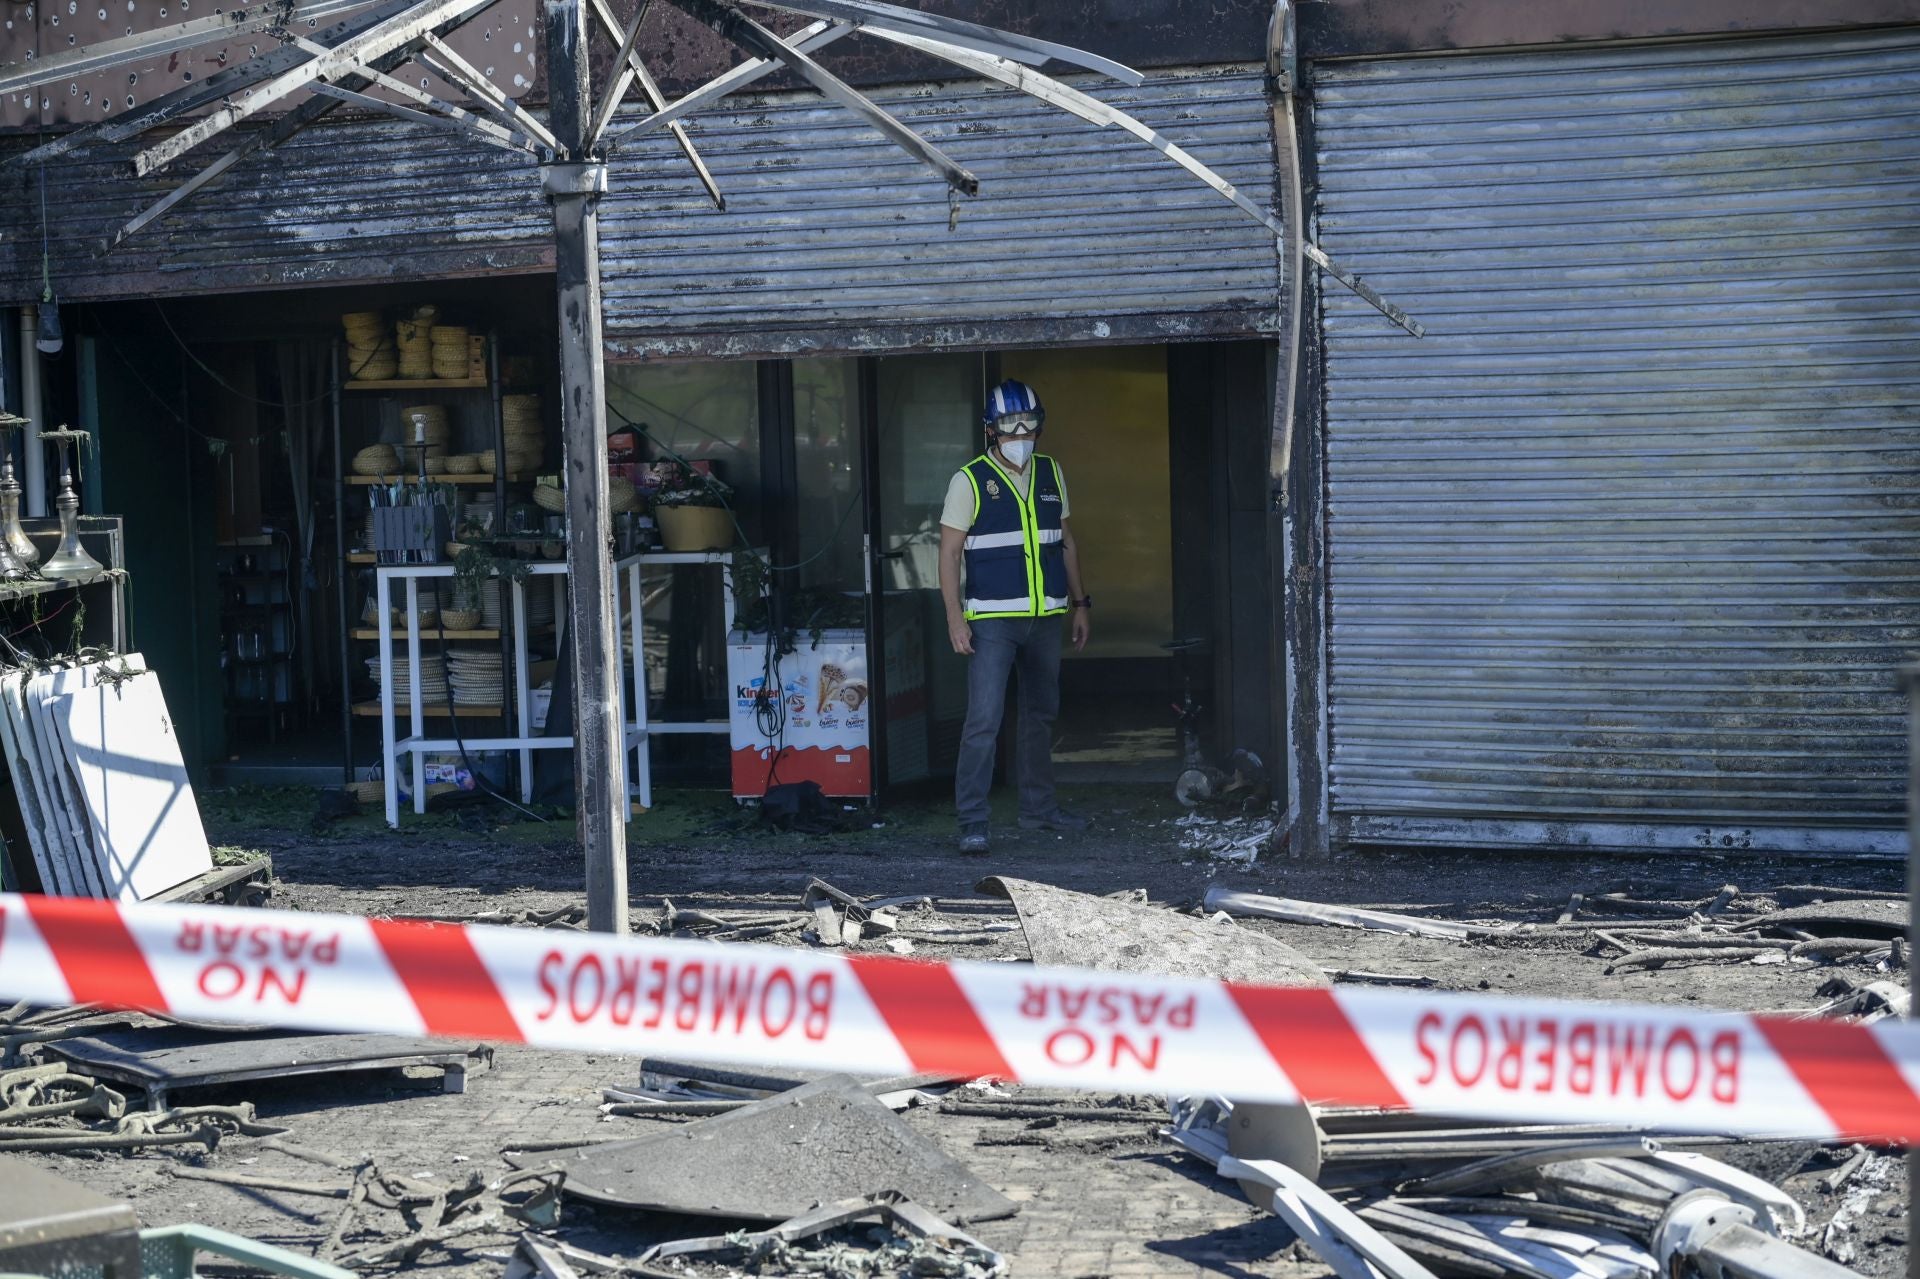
(1058, 819)
(973, 839)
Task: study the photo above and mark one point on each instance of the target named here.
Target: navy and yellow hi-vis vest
(1016, 565)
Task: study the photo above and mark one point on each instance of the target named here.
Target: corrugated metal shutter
(1626, 552)
(835, 240)
(362, 200)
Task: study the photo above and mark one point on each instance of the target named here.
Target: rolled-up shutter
(836, 240)
(1626, 551)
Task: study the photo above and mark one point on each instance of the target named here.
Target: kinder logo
(755, 692)
(1621, 1061)
(254, 962)
(1105, 1026)
(768, 1000)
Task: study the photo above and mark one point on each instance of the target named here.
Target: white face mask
(1016, 451)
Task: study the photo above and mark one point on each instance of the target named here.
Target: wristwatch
(1084, 602)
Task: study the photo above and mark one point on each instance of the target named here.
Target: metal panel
(365, 200)
(1626, 552)
(499, 41)
(835, 240)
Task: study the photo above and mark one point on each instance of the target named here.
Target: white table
(637, 775)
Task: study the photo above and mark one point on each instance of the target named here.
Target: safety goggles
(1016, 426)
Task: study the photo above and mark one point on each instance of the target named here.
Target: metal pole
(343, 567)
(33, 461)
(1913, 924)
(575, 184)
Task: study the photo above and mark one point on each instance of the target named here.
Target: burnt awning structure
(363, 54)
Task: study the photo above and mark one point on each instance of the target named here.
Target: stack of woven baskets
(371, 355)
(525, 432)
(621, 496)
(376, 459)
(449, 350)
(414, 338)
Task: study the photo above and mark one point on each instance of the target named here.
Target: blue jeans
(1001, 645)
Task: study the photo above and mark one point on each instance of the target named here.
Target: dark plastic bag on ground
(799, 806)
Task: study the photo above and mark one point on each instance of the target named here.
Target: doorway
(1108, 426)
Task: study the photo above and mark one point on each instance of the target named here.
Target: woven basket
(374, 370)
(378, 460)
(436, 465)
(449, 335)
(621, 494)
(694, 528)
(460, 619)
(366, 792)
(487, 461)
(463, 463)
(549, 498)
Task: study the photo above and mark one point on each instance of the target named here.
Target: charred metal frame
(1300, 577)
(360, 54)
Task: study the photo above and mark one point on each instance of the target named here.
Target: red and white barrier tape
(1510, 1059)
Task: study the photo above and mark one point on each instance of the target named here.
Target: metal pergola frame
(367, 45)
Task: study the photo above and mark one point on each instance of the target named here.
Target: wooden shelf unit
(418, 384)
(367, 481)
(431, 710)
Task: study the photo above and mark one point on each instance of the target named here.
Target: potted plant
(692, 513)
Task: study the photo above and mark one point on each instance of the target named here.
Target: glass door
(925, 426)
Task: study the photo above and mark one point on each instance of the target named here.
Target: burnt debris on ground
(553, 1164)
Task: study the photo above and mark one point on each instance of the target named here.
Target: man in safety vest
(1008, 571)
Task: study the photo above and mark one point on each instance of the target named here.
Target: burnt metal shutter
(360, 201)
(1626, 552)
(836, 240)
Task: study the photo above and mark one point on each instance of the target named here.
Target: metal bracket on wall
(573, 179)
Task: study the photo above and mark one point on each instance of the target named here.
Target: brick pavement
(1137, 1212)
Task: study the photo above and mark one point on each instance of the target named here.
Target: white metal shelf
(635, 761)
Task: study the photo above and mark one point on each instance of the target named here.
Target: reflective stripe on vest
(1016, 565)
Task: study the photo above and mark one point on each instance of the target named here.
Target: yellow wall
(1107, 425)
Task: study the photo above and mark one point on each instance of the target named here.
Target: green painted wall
(157, 474)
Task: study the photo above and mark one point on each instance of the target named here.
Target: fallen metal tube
(1291, 911)
(1706, 1232)
(44, 1140)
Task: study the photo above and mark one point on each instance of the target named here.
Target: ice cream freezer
(801, 716)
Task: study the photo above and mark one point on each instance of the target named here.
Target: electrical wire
(479, 781)
(229, 387)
